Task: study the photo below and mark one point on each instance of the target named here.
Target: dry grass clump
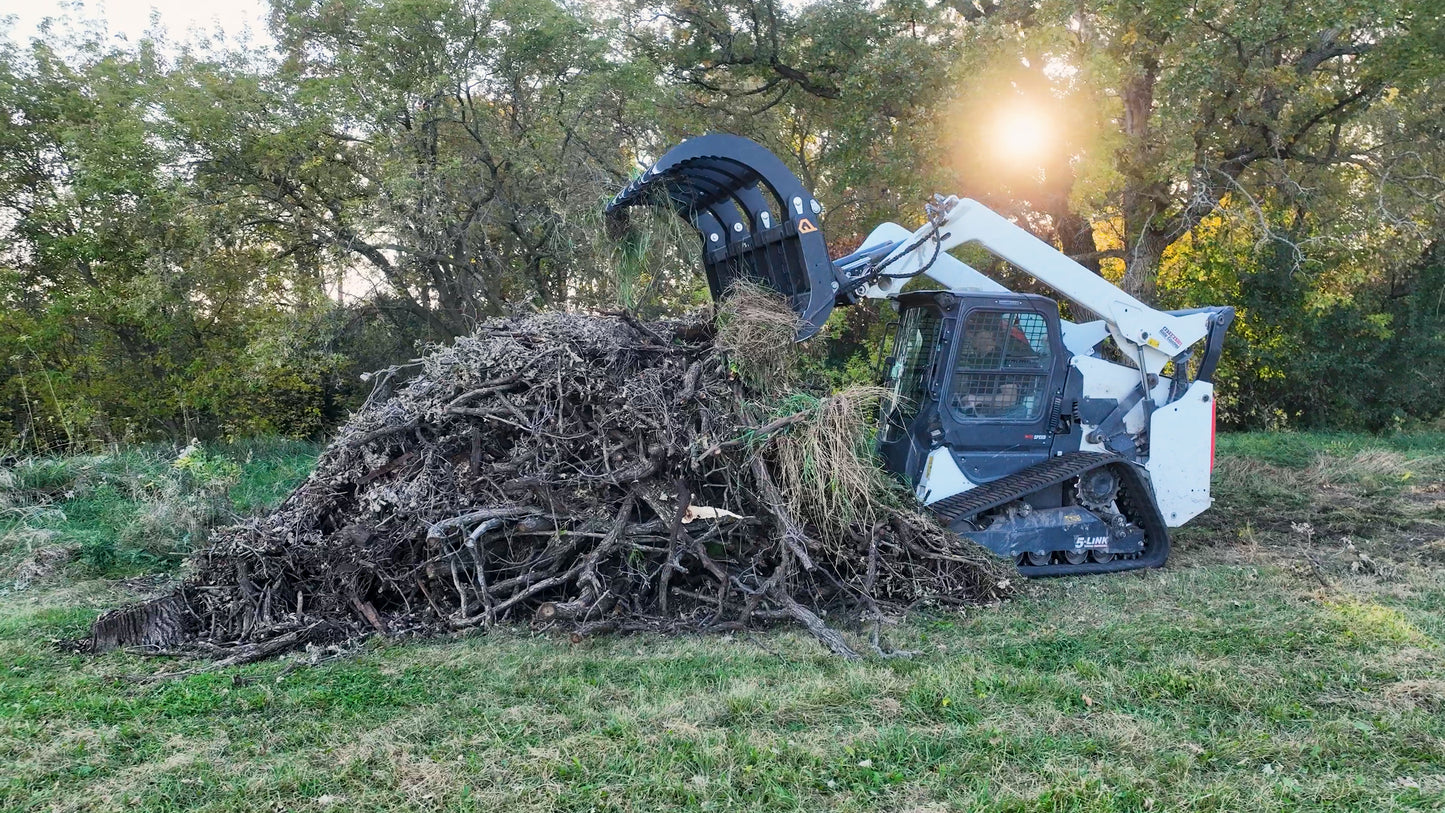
(42, 561)
(824, 458)
(1426, 693)
(826, 465)
(150, 504)
(1369, 511)
(1370, 467)
(757, 329)
(9, 501)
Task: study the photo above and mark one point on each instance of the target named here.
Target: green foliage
(133, 305)
(847, 352)
(1300, 449)
(449, 147)
(208, 471)
(142, 509)
(1323, 343)
(849, 94)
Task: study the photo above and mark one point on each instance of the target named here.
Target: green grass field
(1289, 658)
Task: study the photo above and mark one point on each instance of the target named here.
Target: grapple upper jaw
(756, 219)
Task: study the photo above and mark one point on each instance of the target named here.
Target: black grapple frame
(756, 219)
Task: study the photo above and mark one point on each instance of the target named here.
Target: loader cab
(979, 373)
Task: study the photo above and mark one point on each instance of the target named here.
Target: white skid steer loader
(1019, 429)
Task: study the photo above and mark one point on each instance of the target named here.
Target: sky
(132, 17)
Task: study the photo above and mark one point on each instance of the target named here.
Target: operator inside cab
(1002, 367)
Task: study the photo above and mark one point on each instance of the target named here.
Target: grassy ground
(1289, 658)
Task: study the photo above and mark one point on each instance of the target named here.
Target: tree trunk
(1144, 196)
(1076, 236)
(1141, 262)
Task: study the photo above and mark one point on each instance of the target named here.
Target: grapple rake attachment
(756, 219)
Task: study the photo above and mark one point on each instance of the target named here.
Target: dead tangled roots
(587, 474)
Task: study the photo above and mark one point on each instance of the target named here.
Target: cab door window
(1003, 366)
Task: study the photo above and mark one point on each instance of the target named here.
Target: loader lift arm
(1149, 336)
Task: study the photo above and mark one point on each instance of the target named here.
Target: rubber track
(1005, 490)
(1135, 499)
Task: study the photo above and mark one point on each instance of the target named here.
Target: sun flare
(1022, 134)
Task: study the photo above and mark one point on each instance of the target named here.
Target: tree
(447, 150)
(129, 303)
(202, 239)
(845, 92)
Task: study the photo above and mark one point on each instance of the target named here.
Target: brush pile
(581, 473)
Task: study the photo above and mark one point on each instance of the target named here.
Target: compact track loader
(1069, 447)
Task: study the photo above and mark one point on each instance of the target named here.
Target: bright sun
(1022, 133)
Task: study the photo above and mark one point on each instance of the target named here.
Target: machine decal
(805, 226)
(1169, 334)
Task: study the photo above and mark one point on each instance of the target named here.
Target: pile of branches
(584, 473)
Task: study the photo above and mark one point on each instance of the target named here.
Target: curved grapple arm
(756, 219)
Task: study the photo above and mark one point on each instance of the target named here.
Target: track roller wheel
(1037, 558)
(1076, 557)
